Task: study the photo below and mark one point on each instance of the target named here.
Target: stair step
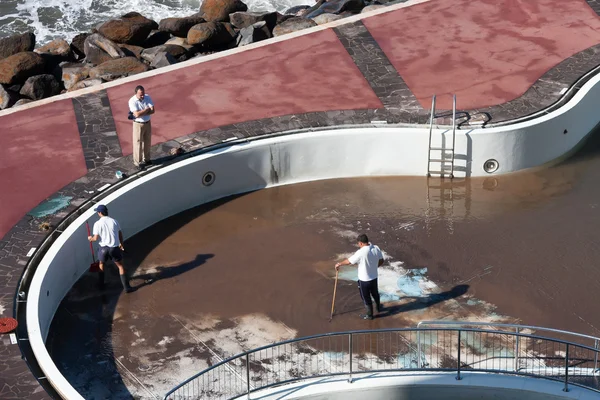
(440, 160)
(442, 148)
(440, 172)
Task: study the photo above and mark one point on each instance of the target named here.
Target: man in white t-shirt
(368, 258)
(141, 107)
(108, 231)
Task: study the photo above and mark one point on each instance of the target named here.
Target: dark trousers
(367, 290)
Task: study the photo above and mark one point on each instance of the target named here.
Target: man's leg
(147, 141)
(102, 257)
(137, 143)
(374, 289)
(117, 257)
(363, 288)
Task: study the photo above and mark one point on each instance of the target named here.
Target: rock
(17, 68)
(86, 83)
(180, 26)
(131, 28)
(372, 7)
(77, 45)
(57, 47)
(163, 59)
(181, 42)
(21, 102)
(326, 18)
(156, 38)
(292, 25)
(72, 73)
(173, 50)
(296, 10)
(337, 7)
(16, 44)
(117, 68)
(242, 19)
(99, 49)
(40, 86)
(7, 97)
(210, 35)
(254, 33)
(132, 51)
(219, 10)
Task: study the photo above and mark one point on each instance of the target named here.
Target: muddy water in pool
(258, 268)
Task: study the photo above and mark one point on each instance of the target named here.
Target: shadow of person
(422, 302)
(170, 272)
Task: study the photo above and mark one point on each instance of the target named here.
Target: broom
(95, 265)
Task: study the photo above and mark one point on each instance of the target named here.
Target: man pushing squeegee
(368, 258)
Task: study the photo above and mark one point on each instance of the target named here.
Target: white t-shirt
(139, 105)
(108, 230)
(367, 258)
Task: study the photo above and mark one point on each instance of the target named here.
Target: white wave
(53, 19)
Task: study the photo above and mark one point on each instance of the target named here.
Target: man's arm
(93, 238)
(380, 263)
(121, 240)
(141, 113)
(343, 262)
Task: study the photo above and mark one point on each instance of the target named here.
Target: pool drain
(490, 166)
(208, 178)
(8, 325)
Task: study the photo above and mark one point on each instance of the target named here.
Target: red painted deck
(487, 52)
(305, 74)
(40, 152)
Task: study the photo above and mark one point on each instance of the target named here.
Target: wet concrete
(258, 268)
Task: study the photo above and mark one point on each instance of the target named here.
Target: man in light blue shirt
(141, 107)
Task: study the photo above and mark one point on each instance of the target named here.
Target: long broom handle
(334, 290)
(87, 224)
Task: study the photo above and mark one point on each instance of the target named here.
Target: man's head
(140, 92)
(362, 240)
(101, 210)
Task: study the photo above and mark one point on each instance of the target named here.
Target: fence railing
(455, 349)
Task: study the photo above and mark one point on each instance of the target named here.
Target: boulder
(73, 73)
(219, 10)
(210, 35)
(118, 68)
(77, 45)
(86, 83)
(292, 25)
(180, 26)
(131, 28)
(311, 9)
(296, 10)
(181, 42)
(163, 59)
(17, 68)
(337, 7)
(99, 49)
(40, 86)
(372, 7)
(254, 33)
(57, 47)
(242, 19)
(132, 51)
(21, 102)
(173, 50)
(326, 18)
(7, 97)
(156, 38)
(16, 44)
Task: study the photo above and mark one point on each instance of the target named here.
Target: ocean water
(52, 19)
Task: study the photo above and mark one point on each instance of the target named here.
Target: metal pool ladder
(446, 153)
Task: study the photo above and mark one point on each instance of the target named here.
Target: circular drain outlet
(208, 178)
(490, 166)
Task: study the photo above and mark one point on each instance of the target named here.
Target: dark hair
(138, 87)
(363, 239)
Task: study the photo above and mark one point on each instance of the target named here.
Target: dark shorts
(113, 253)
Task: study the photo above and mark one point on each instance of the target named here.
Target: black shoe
(366, 316)
(380, 308)
(130, 289)
(140, 167)
(149, 162)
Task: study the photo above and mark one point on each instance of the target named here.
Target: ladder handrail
(453, 135)
(430, 135)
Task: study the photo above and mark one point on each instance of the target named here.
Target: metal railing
(455, 349)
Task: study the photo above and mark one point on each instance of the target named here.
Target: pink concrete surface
(487, 52)
(40, 152)
(304, 74)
